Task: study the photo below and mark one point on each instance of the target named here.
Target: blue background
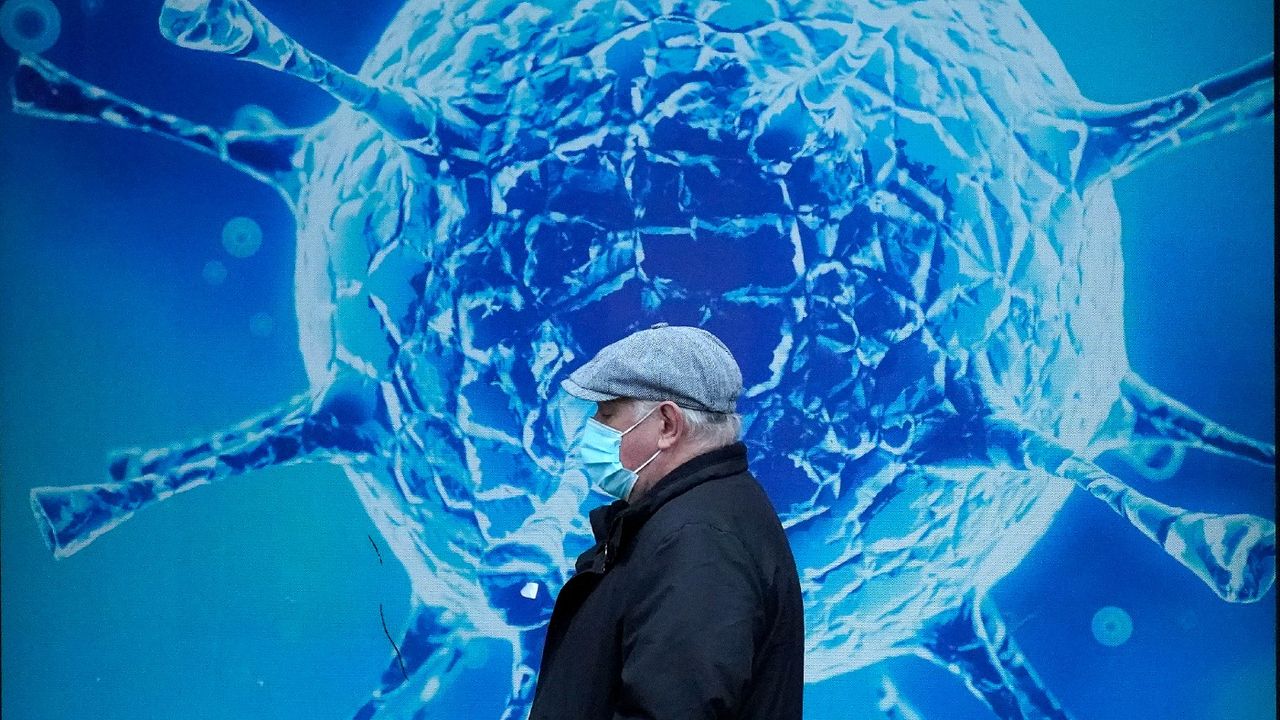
(259, 597)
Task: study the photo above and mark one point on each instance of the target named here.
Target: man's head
(671, 391)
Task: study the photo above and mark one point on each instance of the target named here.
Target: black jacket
(688, 607)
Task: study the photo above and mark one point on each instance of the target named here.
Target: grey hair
(711, 429)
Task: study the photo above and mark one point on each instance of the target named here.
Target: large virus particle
(898, 215)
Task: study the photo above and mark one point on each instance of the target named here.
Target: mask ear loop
(637, 423)
(646, 462)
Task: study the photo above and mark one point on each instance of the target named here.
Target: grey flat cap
(686, 365)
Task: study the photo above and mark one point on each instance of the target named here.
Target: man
(689, 604)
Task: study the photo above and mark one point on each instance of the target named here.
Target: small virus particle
(241, 237)
(1112, 626)
(214, 272)
(261, 325)
(30, 26)
(90, 7)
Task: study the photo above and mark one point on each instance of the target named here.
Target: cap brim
(577, 390)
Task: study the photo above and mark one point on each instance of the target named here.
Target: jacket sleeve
(690, 631)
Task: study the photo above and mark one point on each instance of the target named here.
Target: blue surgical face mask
(601, 454)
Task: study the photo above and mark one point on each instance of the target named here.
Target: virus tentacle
(73, 517)
(1121, 138)
(1038, 702)
(424, 662)
(974, 645)
(1154, 460)
(1150, 418)
(238, 29)
(1233, 554)
(42, 89)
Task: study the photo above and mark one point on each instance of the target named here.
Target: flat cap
(686, 365)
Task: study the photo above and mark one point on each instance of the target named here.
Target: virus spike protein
(1121, 138)
(1233, 554)
(72, 517)
(1036, 699)
(42, 89)
(974, 645)
(238, 29)
(425, 660)
(1157, 417)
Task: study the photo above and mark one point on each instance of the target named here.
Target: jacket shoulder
(735, 504)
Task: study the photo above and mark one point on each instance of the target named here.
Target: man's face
(639, 444)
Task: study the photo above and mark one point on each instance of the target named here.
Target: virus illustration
(899, 216)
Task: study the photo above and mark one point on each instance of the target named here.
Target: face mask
(600, 453)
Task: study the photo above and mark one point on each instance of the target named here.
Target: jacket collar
(615, 523)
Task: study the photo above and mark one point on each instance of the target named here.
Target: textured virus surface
(899, 216)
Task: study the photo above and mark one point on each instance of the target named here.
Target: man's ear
(674, 428)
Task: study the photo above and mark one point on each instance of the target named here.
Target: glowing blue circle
(214, 272)
(241, 237)
(30, 26)
(1112, 626)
